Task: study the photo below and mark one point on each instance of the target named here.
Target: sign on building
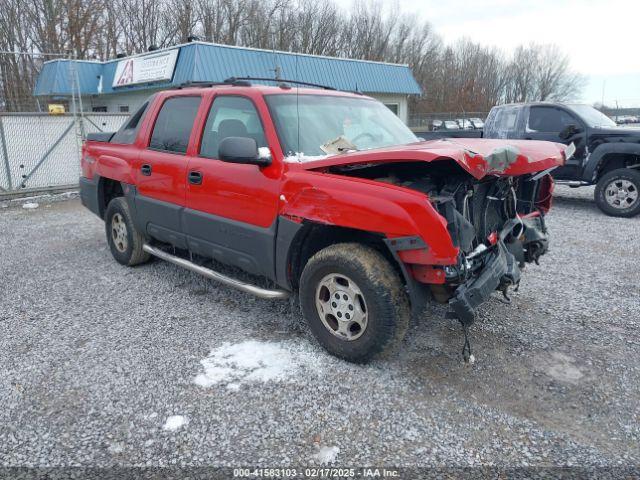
(145, 69)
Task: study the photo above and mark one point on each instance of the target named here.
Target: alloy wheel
(341, 306)
(119, 233)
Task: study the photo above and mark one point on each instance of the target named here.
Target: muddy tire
(354, 302)
(124, 239)
(618, 193)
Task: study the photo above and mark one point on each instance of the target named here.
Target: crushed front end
(485, 216)
(498, 225)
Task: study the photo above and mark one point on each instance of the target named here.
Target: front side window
(312, 125)
(548, 120)
(174, 123)
(231, 116)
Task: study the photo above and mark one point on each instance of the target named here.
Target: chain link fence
(41, 152)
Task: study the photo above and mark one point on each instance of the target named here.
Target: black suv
(606, 155)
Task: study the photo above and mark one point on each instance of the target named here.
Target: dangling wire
(467, 356)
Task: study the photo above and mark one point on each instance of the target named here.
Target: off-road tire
(133, 253)
(386, 301)
(622, 174)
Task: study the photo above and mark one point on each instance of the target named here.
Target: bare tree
(458, 77)
(555, 80)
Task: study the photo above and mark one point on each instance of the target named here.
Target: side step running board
(213, 275)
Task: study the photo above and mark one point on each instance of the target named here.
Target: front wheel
(618, 193)
(354, 302)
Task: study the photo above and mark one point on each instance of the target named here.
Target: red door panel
(231, 211)
(245, 193)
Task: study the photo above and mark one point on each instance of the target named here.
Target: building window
(393, 107)
(123, 108)
(99, 109)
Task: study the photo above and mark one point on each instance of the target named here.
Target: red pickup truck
(324, 193)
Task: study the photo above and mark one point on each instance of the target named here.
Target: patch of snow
(300, 157)
(252, 361)
(116, 448)
(174, 422)
(561, 367)
(30, 205)
(326, 454)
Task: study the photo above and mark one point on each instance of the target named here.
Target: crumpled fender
(369, 206)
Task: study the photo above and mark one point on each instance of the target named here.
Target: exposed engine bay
(497, 223)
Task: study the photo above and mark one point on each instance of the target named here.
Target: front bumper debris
(500, 271)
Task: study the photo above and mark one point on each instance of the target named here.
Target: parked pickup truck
(323, 193)
(606, 155)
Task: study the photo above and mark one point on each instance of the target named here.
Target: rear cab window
(174, 123)
(129, 130)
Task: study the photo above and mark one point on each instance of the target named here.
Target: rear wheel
(618, 193)
(354, 302)
(124, 239)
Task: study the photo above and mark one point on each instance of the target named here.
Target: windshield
(307, 123)
(591, 116)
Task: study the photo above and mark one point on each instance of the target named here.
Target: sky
(601, 37)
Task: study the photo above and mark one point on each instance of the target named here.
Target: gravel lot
(103, 365)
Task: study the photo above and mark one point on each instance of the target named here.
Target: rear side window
(501, 122)
(129, 131)
(174, 123)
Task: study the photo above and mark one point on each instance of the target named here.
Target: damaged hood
(478, 156)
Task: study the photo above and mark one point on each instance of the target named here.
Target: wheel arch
(108, 189)
(610, 156)
(308, 238)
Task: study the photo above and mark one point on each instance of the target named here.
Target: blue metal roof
(199, 61)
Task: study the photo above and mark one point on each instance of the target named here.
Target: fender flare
(596, 158)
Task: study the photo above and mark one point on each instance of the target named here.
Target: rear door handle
(195, 178)
(146, 169)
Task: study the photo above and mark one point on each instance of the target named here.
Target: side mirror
(567, 132)
(242, 150)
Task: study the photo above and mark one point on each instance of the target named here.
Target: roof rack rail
(196, 84)
(206, 84)
(280, 81)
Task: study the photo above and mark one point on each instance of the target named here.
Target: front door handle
(146, 169)
(195, 178)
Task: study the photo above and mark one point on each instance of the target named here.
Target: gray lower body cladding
(89, 194)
